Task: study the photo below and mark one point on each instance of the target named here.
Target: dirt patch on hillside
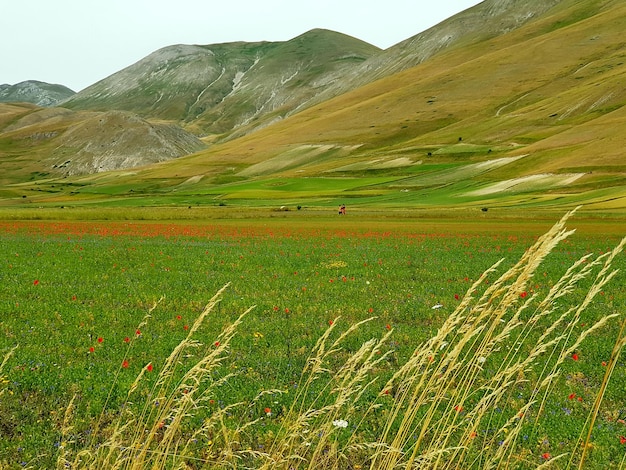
(528, 183)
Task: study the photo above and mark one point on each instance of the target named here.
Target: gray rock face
(32, 91)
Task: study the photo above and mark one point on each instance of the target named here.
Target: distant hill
(38, 143)
(32, 91)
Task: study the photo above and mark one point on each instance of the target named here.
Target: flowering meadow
(91, 312)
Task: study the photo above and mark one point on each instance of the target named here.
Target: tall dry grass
(432, 413)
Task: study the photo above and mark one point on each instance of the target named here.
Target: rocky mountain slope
(218, 88)
(56, 142)
(32, 91)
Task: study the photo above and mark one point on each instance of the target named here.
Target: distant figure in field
(342, 209)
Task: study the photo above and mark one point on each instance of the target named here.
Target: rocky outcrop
(32, 91)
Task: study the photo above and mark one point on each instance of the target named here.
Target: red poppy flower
(36, 282)
(571, 396)
(286, 310)
(178, 317)
(388, 326)
(622, 440)
(100, 339)
(217, 343)
(149, 367)
(371, 310)
(186, 327)
(138, 332)
(125, 364)
(456, 296)
(523, 295)
(458, 408)
(92, 349)
(575, 356)
(330, 322)
(127, 340)
(267, 410)
(545, 456)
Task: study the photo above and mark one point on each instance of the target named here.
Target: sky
(79, 42)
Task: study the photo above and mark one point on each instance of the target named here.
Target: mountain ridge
(209, 89)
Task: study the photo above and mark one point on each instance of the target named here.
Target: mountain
(227, 90)
(523, 107)
(32, 91)
(218, 88)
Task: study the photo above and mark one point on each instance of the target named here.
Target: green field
(75, 298)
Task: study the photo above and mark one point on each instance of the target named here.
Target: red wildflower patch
(127, 340)
(545, 456)
(575, 356)
(92, 349)
(125, 364)
(100, 339)
(267, 410)
(138, 332)
(149, 367)
(523, 295)
(571, 396)
(217, 343)
(622, 440)
(178, 317)
(36, 282)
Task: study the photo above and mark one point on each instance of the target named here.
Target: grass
(343, 333)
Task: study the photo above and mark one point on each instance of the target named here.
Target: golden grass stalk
(156, 437)
(429, 425)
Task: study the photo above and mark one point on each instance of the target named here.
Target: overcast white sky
(78, 42)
